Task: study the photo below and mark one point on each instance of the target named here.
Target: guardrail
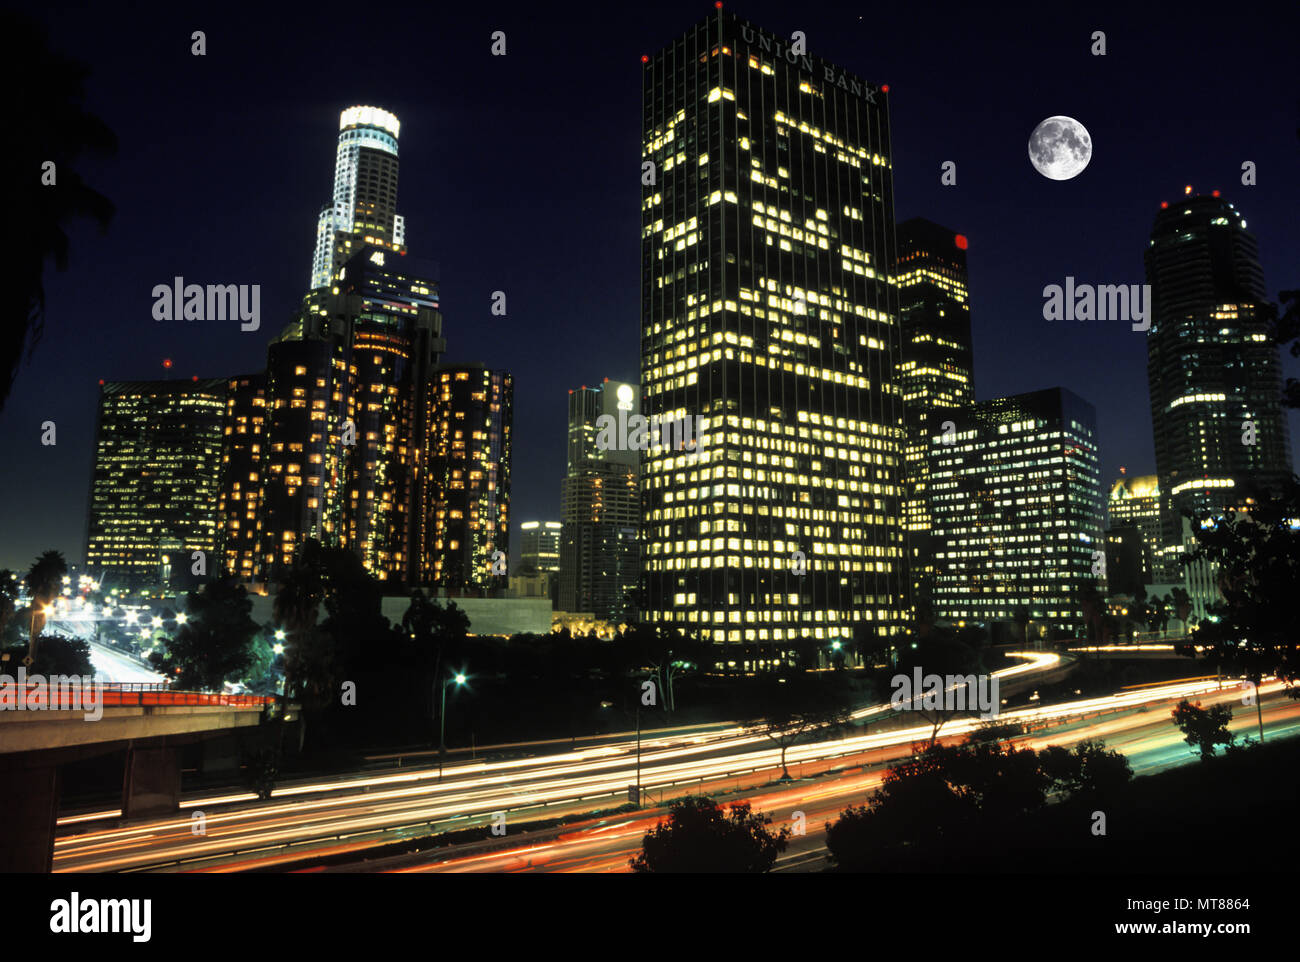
(76, 696)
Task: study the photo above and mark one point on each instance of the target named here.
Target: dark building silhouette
(936, 373)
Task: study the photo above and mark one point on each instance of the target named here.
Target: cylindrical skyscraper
(365, 193)
(1212, 366)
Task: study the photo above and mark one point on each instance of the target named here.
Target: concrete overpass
(46, 729)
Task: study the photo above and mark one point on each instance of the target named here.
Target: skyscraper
(540, 546)
(1212, 368)
(767, 234)
(1132, 533)
(1017, 510)
(240, 499)
(364, 208)
(349, 382)
(155, 482)
(599, 505)
(466, 521)
(937, 369)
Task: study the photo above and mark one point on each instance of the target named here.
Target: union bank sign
(754, 38)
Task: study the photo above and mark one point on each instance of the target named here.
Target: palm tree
(8, 599)
(43, 583)
(45, 91)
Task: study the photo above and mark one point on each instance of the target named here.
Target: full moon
(1060, 148)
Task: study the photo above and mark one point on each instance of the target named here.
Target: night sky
(521, 174)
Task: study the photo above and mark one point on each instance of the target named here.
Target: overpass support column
(151, 782)
(29, 805)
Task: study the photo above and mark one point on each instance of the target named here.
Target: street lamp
(458, 680)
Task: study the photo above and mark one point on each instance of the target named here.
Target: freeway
(1146, 738)
(330, 817)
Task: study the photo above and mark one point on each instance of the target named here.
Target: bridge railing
(68, 692)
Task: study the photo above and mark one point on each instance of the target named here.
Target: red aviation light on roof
(645, 58)
(961, 241)
(1214, 193)
(167, 362)
(885, 87)
(1164, 205)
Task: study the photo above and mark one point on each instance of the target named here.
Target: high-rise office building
(1017, 510)
(937, 369)
(364, 208)
(349, 382)
(1212, 367)
(466, 522)
(155, 484)
(600, 503)
(1132, 533)
(240, 498)
(296, 481)
(540, 546)
(768, 314)
(387, 340)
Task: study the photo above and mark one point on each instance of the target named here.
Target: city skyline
(1103, 364)
(374, 586)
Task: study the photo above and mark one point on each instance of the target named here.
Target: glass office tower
(155, 482)
(1017, 510)
(768, 314)
(1212, 367)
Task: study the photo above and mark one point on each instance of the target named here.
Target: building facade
(1017, 511)
(466, 526)
(769, 316)
(349, 382)
(240, 499)
(155, 484)
(1212, 367)
(600, 503)
(1132, 533)
(936, 373)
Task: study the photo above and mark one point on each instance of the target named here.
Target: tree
(1256, 549)
(215, 645)
(699, 837)
(43, 583)
(430, 635)
(1203, 728)
(46, 91)
(1088, 770)
(1022, 616)
(1180, 603)
(297, 607)
(8, 598)
(58, 656)
(786, 709)
(943, 653)
(1094, 609)
(1285, 329)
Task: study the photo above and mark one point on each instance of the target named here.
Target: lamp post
(458, 679)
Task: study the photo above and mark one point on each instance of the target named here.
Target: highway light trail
(411, 801)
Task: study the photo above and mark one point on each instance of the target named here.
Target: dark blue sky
(521, 173)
